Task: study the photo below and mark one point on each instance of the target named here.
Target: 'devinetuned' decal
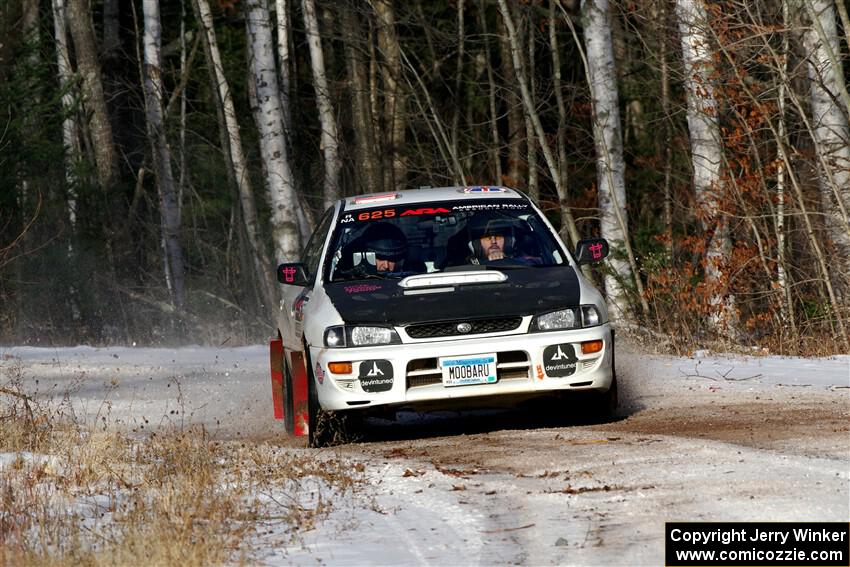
(559, 360)
(376, 375)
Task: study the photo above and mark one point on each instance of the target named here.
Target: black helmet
(386, 241)
(483, 225)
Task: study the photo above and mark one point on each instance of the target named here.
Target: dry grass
(76, 495)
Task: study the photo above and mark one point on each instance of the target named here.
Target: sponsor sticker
(491, 207)
(320, 374)
(376, 375)
(424, 211)
(559, 360)
(361, 288)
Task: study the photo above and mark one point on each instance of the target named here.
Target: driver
(389, 245)
(492, 241)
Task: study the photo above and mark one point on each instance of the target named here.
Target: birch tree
(830, 127)
(330, 134)
(269, 117)
(234, 150)
(607, 134)
(706, 154)
(69, 122)
(169, 209)
(85, 51)
(283, 59)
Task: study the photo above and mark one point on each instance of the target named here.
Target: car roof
(430, 194)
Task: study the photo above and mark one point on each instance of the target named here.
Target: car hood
(524, 292)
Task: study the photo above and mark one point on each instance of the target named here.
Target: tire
(288, 406)
(327, 428)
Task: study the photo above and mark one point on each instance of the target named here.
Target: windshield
(399, 241)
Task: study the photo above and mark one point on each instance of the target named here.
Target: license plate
(465, 370)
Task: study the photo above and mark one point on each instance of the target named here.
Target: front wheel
(326, 428)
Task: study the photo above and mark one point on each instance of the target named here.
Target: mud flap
(276, 365)
(299, 393)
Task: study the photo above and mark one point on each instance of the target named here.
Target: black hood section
(527, 291)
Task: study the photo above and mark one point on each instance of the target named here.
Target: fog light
(340, 367)
(589, 347)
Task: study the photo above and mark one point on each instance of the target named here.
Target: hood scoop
(449, 280)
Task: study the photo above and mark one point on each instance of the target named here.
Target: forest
(159, 158)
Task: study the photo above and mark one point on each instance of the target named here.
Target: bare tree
(394, 96)
(233, 147)
(327, 119)
(568, 222)
(607, 134)
(169, 209)
(69, 122)
(516, 134)
(269, 117)
(361, 111)
(283, 56)
(85, 50)
(706, 155)
(830, 127)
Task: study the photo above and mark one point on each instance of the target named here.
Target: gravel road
(711, 438)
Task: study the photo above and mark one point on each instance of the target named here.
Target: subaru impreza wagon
(436, 298)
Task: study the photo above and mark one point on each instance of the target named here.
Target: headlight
(563, 319)
(573, 318)
(335, 337)
(356, 336)
(365, 336)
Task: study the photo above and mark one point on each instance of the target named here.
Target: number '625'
(385, 214)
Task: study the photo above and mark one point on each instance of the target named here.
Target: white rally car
(437, 297)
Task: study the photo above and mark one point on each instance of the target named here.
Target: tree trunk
(706, 156)
(787, 315)
(69, 122)
(568, 222)
(513, 108)
(361, 112)
(607, 135)
(561, 137)
(269, 117)
(458, 90)
(260, 260)
(111, 46)
(495, 142)
(79, 21)
(531, 147)
(169, 211)
(283, 59)
(394, 98)
(667, 140)
(327, 119)
(830, 129)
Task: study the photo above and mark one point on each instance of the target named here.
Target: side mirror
(292, 274)
(591, 251)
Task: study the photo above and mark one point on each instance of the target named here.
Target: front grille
(510, 365)
(449, 328)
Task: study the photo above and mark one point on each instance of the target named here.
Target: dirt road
(705, 439)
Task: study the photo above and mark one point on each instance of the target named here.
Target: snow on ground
(573, 495)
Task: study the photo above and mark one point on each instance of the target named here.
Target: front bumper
(409, 375)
